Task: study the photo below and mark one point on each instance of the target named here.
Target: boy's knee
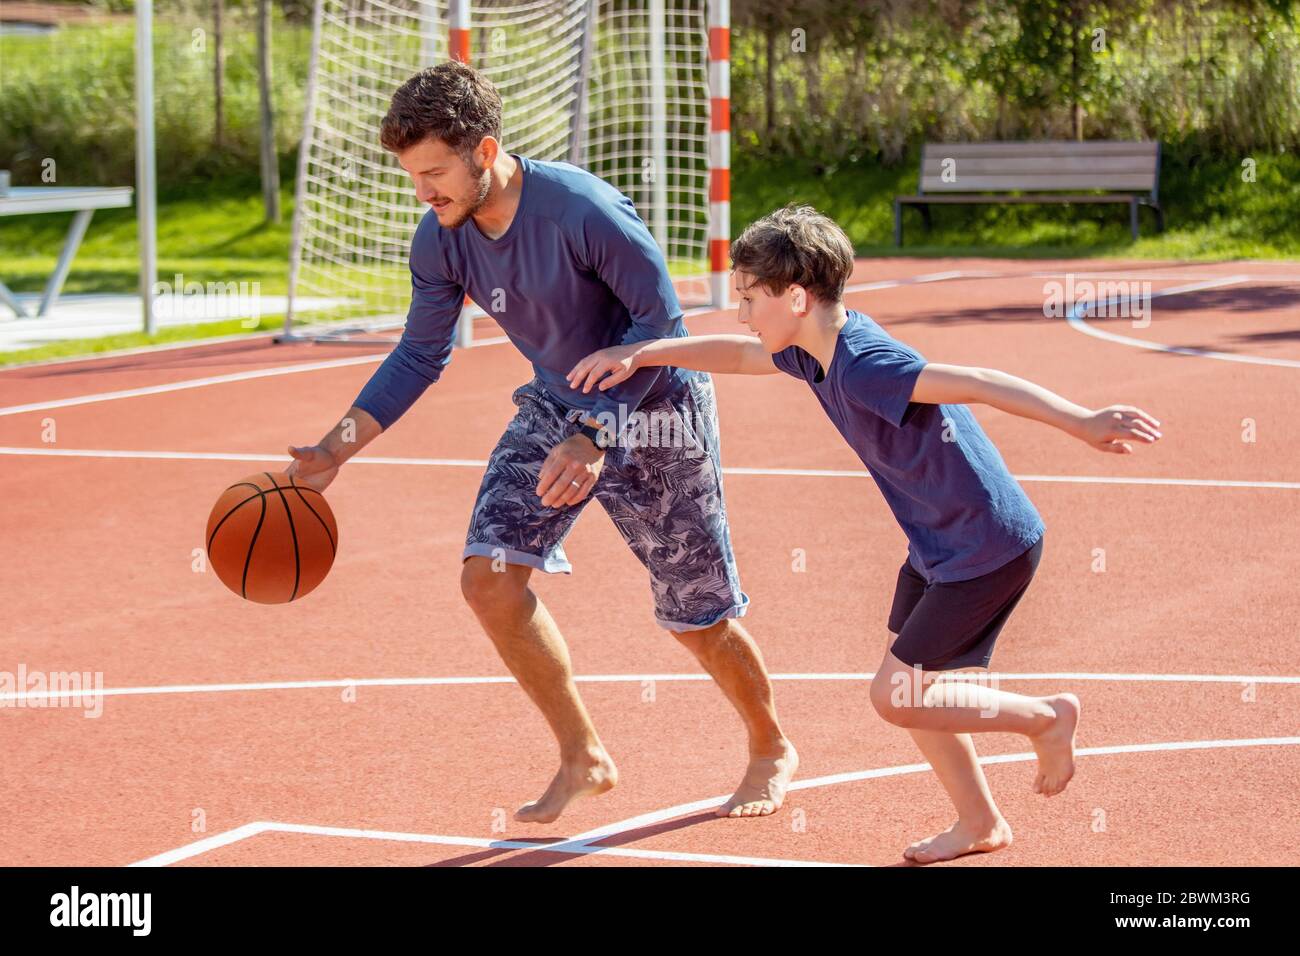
(889, 700)
(895, 693)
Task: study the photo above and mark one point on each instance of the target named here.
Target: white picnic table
(83, 200)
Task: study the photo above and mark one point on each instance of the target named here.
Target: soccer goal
(634, 91)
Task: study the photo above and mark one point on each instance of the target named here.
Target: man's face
(453, 190)
(768, 316)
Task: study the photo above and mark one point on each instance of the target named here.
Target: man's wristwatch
(600, 437)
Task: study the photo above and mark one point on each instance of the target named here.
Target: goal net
(619, 87)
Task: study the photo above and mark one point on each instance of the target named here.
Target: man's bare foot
(594, 774)
(1055, 746)
(763, 790)
(960, 839)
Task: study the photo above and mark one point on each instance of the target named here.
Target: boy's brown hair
(795, 245)
(451, 102)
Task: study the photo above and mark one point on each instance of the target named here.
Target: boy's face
(445, 182)
(770, 317)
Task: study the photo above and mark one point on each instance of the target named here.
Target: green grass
(213, 232)
(1210, 213)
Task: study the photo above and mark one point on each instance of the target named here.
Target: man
(565, 265)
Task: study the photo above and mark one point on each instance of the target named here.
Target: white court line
(1075, 319)
(497, 340)
(659, 816)
(587, 843)
(315, 366)
(391, 836)
(190, 383)
(731, 470)
(234, 688)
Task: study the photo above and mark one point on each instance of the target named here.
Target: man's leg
(511, 532)
(727, 652)
(530, 644)
(665, 496)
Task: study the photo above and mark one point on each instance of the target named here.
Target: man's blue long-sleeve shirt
(576, 271)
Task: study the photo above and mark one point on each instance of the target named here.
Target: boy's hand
(312, 466)
(1113, 427)
(619, 361)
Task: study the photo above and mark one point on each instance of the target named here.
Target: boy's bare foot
(763, 790)
(960, 839)
(594, 773)
(1055, 746)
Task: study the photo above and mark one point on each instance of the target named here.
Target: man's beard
(480, 198)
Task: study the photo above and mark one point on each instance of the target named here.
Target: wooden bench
(1049, 172)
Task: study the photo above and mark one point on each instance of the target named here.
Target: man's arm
(1107, 429)
(740, 354)
(411, 367)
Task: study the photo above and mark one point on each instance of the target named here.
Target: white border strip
(238, 688)
(1075, 319)
(586, 843)
(481, 463)
(689, 313)
(659, 816)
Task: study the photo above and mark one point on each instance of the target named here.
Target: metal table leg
(76, 232)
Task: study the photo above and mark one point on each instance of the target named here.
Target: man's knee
(487, 585)
(703, 638)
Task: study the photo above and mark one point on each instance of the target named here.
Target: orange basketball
(271, 539)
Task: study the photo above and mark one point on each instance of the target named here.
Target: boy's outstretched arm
(703, 353)
(1106, 429)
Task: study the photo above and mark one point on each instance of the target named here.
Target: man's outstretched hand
(1115, 427)
(312, 466)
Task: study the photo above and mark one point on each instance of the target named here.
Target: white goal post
(636, 91)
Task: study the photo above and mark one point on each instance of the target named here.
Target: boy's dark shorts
(949, 626)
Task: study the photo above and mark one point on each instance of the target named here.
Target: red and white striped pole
(458, 34)
(719, 152)
(458, 23)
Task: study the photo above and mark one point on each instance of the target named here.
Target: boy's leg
(912, 698)
(980, 826)
(530, 645)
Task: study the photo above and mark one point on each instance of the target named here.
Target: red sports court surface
(370, 723)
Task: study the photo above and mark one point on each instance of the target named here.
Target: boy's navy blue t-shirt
(576, 271)
(963, 513)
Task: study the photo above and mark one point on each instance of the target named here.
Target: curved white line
(1075, 319)
(20, 699)
(659, 816)
(585, 843)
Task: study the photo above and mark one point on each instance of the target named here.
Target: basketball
(270, 539)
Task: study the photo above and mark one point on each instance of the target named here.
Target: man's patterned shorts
(663, 490)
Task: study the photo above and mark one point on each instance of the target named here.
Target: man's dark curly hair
(451, 102)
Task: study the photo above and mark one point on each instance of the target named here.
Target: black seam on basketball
(248, 558)
(232, 510)
(297, 561)
(333, 547)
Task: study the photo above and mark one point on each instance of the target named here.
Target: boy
(974, 538)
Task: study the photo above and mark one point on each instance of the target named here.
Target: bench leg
(76, 232)
(1133, 218)
(925, 217)
(9, 299)
(1160, 217)
(898, 223)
